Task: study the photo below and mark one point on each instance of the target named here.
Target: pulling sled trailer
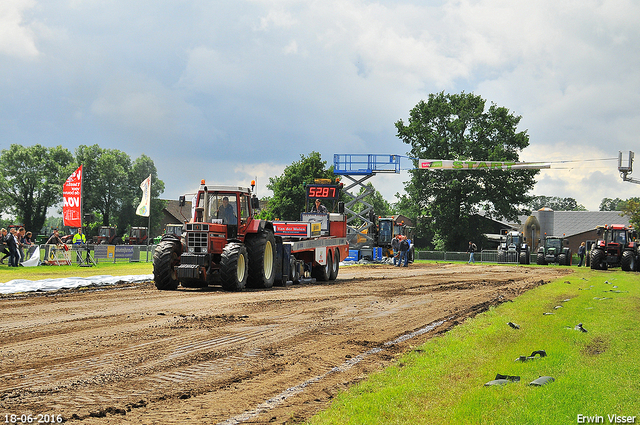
(225, 244)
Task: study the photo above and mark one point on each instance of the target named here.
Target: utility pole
(626, 168)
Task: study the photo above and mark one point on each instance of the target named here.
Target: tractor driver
(226, 213)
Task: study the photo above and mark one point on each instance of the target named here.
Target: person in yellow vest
(79, 237)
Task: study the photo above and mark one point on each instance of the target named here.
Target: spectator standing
(29, 243)
(5, 247)
(404, 250)
(3, 241)
(12, 244)
(21, 243)
(79, 237)
(471, 250)
(582, 250)
(395, 247)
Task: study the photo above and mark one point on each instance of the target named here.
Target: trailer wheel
(234, 267)
(165, 259)
(335, 265)
(597, 259)
(628, 261)
(294, 270)
(261, 249)
(323, 273)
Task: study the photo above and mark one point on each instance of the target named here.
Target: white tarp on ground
(34, 260)
(24, 285)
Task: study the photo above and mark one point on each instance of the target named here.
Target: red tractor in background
(225, 244)
(616, 247)
(107, 235)
(137, 236)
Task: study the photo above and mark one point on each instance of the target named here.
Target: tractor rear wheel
(597, 259)
(628, 261)
(569, 257)
(165, 259)
(261, 249)
(234, 267)
(335, 265)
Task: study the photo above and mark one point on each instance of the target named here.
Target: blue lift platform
(358, 168)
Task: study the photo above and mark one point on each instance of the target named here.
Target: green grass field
(596, 373)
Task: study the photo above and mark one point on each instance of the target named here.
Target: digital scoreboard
(323, 191)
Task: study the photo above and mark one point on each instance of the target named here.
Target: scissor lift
(358, 168)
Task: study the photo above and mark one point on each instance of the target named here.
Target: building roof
(174, 209)
(574, 222)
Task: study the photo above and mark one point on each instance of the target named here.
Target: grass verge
(52, 272)
(596, 373)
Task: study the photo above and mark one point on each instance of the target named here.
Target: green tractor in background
(554, 250)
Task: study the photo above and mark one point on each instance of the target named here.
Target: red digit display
(322, 192)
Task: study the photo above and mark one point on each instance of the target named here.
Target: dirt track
(133, 354)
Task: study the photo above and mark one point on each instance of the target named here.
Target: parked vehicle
(137, 236)
(616, 247)
(555, 250)
(514, 249)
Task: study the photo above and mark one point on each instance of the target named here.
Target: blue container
(354, 255)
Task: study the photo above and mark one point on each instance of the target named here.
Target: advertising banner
(443, 164)
(72, 199)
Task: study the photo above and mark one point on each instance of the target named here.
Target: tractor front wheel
(540, 259)
(165, 259)
(234, 267)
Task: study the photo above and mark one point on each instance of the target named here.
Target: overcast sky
(232, 90)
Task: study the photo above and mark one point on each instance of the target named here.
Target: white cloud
(244, 88)
(17, 38)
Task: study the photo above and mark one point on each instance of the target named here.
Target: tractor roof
(225, 188)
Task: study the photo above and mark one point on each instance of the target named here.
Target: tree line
(457, 127)
(31, 179)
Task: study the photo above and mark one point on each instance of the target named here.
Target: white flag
(145, 203)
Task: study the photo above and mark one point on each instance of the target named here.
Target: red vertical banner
(72, 197)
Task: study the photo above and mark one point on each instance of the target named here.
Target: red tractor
(137, 236)
(107, 235)
(616, 247)
(224, 244)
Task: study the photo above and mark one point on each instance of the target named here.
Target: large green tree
(631, 208)
(288, 199)
(31, 180)
(111, 186)
(608, 204)
(460, 127)
(555, 203)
